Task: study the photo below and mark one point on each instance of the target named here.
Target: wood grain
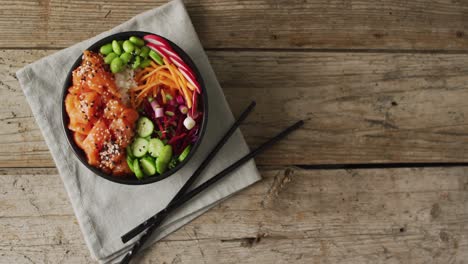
(358, 108)
(376, 81)
(292, 216)
(356, 24)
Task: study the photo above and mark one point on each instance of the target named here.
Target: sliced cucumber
(155, 147)
(149, 158)
(140, 147)
(145, 127)
(130, 163)
(156, 57)
(147, 164)
(128, 151)
(137, 169)
(172, 163)
(161, 166)
(164, 159)
(185, 153)
(166, 153)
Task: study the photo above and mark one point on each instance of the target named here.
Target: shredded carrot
(153, 64)
(190, 86)
(165, 74)
(183, 86)
(174, 71)
(173, 75)
(182, 79)
(138, 88)
(168, 83)
(140, 73)
(163, 95)
(187, 95)
(156, 79)
(156, 70)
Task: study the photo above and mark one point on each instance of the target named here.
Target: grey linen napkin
(105, 210)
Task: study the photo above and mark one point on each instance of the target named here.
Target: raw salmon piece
(80, 128)
(76, 124)
(113, 109)
(79, 138)
(96, 76)
(121, 168)
(103, 125)
(70, 106)
(88, 106)
(82, 108)
(130, 115)
(121, 132)
(92, 154)
(95, 140)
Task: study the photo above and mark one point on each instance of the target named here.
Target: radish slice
(177, 60)
(161, 46)
(157, 40)
(178, 63)
(183, 66)
(188, 72)
(193, 115)
(157, 49)
(171, 53)
(194, 103)
(191, 80)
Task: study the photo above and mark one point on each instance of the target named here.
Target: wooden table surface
(376, 81)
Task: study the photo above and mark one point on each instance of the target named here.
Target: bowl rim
(79, 153)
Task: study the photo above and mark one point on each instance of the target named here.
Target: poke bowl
(134, 108)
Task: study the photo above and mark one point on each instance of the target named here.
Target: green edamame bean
(144, 52)
(137, 51)
(116, 47)
(137, 41)
(116, 65)
(137, 62)
(106, 49)
(128, 46)
(120, 42)
(145, 63)
(111, 56)
(126, 57)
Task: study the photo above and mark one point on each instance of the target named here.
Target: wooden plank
(369, 107)
(292, 216)
(357, 24)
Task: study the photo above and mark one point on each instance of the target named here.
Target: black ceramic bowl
(131, 179)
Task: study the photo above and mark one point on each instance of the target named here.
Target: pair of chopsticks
(183, 195)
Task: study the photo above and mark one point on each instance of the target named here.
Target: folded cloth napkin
(105, 210)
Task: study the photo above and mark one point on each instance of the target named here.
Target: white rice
(124, 81)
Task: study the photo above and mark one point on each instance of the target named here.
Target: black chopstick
(186, 197)
(157, 219)
(140, 228)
